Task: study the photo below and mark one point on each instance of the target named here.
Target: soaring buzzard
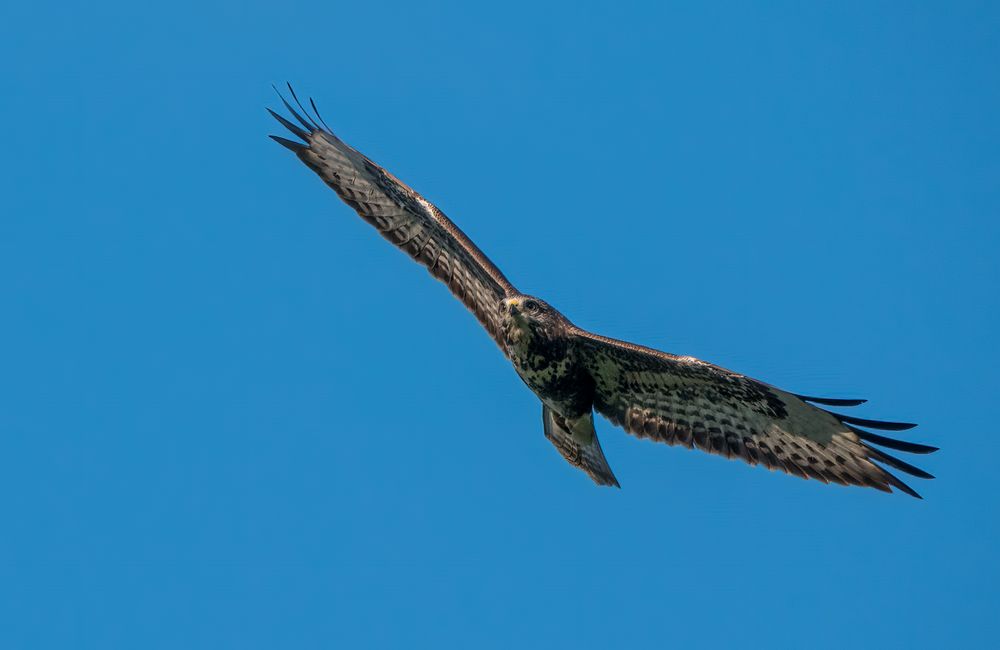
(651, 394)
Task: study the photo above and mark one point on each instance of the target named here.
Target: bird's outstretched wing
(684, 401)
(400, 215)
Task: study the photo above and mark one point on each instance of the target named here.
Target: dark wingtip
(831, 401)
(892, 461)
(288, 144)
(902, 487)
(320, 117)
(873, 424)
(315, 124)
(892, 443)
(289, 125)
(308, 125)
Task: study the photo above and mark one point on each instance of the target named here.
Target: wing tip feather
(893, 443)
(901, 486)
(892, 461)
(831, 401)
(291, 126)
(309, 125)
(873, 424)
(296, 147)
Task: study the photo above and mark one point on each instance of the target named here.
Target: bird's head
(533, 317)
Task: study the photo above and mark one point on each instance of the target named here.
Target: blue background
(232, 416)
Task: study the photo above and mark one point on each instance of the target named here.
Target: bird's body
(651, 394)
(546, 357)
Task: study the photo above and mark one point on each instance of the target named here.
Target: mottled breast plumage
(544, 357)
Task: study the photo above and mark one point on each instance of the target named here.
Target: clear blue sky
(233, 417)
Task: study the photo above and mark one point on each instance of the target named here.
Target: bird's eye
(531, 306)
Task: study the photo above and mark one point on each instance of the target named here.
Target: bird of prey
(677, 400)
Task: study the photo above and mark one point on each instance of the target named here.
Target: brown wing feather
(403, 217)
(684, 401)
